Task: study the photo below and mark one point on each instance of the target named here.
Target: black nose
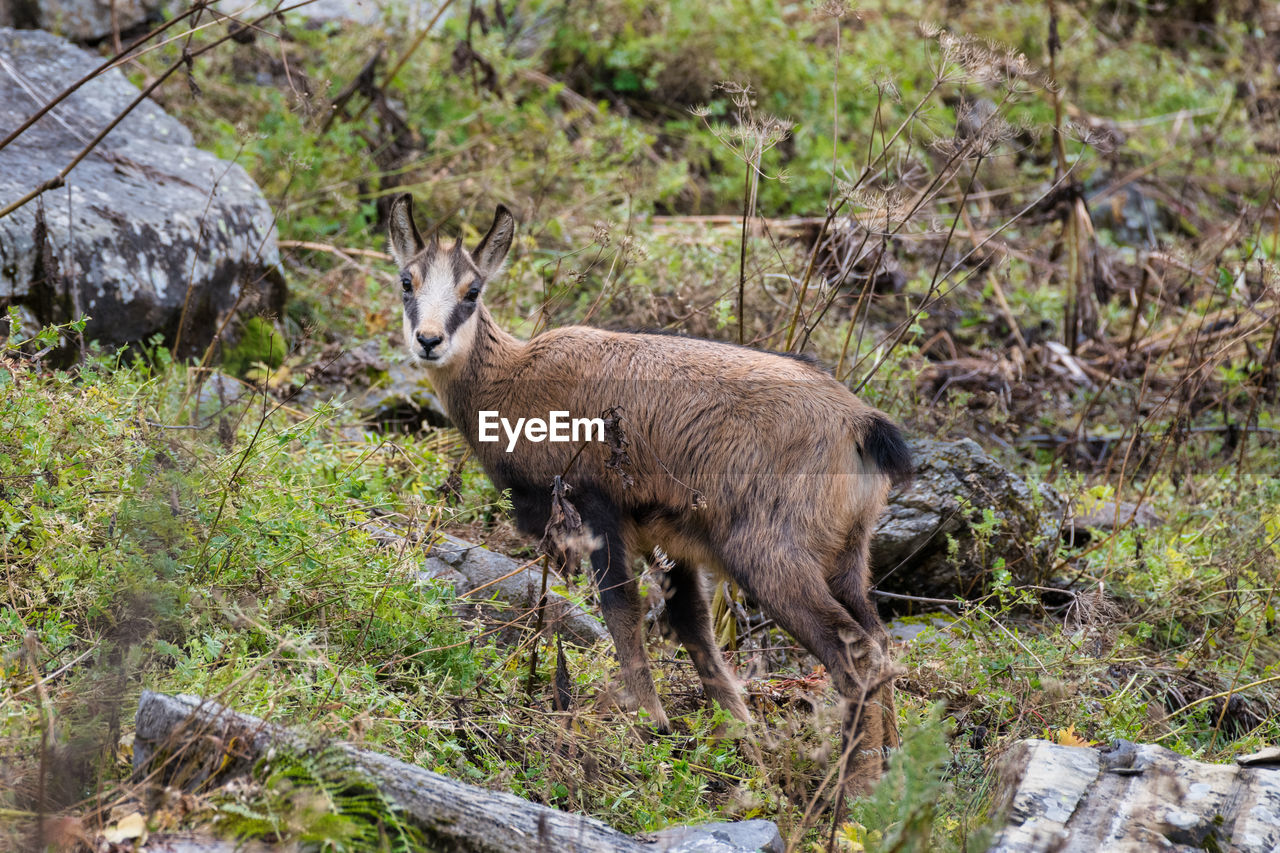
(428, 344)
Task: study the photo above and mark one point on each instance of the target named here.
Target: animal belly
(677, 544)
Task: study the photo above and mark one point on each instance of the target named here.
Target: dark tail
(884, 446)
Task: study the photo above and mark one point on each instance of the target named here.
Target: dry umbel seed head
(980, 60)
(886, 86)
(885, 209)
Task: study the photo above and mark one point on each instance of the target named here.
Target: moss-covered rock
(964, 516)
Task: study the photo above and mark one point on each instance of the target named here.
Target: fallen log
(478, 574)
(188, 741)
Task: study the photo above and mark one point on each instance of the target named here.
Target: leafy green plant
(910, 807)
(317, 801)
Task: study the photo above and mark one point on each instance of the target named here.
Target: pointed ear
(405, 242)
(494, 246)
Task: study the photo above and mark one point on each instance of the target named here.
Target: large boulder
(143, 220)
(963, 514)
(90, 21)
(81, 20)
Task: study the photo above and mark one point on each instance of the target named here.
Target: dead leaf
(1069, 737)
(129, 827)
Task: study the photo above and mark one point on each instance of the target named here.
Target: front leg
(620, 602)
(690, 619)
(531, 508)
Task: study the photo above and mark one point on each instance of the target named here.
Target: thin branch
(105, 66)
(60, 178)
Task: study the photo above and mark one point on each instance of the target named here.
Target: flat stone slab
(746, 836)
(1133, 798)
(475, 569)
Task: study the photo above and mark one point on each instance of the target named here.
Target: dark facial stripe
(411, 308)
(458, 316)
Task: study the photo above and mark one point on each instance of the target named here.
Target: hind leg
(850, 586)
(850, 583)
(792, 591)
(690, 618)
(620, 604)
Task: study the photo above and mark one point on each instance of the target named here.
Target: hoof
(656, 723)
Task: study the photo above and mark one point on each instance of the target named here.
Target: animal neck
(491, 357)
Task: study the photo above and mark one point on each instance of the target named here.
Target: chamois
(752, 465)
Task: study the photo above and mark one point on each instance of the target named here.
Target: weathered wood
(186, 740)
(479, 574)
(1131, 798)
(212, 741)
(192, 842)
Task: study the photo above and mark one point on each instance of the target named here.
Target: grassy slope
(230, 560)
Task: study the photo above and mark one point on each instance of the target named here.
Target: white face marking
(436, 300)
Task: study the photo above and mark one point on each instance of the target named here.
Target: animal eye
(473, 294)
(406, 282)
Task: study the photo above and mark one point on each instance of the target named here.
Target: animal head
(442, 286)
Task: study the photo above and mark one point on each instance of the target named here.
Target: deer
(747, 465)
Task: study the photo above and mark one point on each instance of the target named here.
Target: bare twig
(60, 178)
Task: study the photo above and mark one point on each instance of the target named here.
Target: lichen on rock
(962, 515)
(141, 220)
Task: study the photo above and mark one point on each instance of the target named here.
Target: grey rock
(1110, 515)
(908, 630)
(1134, 216)
(1268, 757)
(1121, 755)
(402, 398)
(362, 12)
(386, 392)
(955, 483)
(1130, 798)
(453, 550)
(471, 567)
(80, 20)
(746, 836)
(140, 218)
(219, 393)
(502, 587)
